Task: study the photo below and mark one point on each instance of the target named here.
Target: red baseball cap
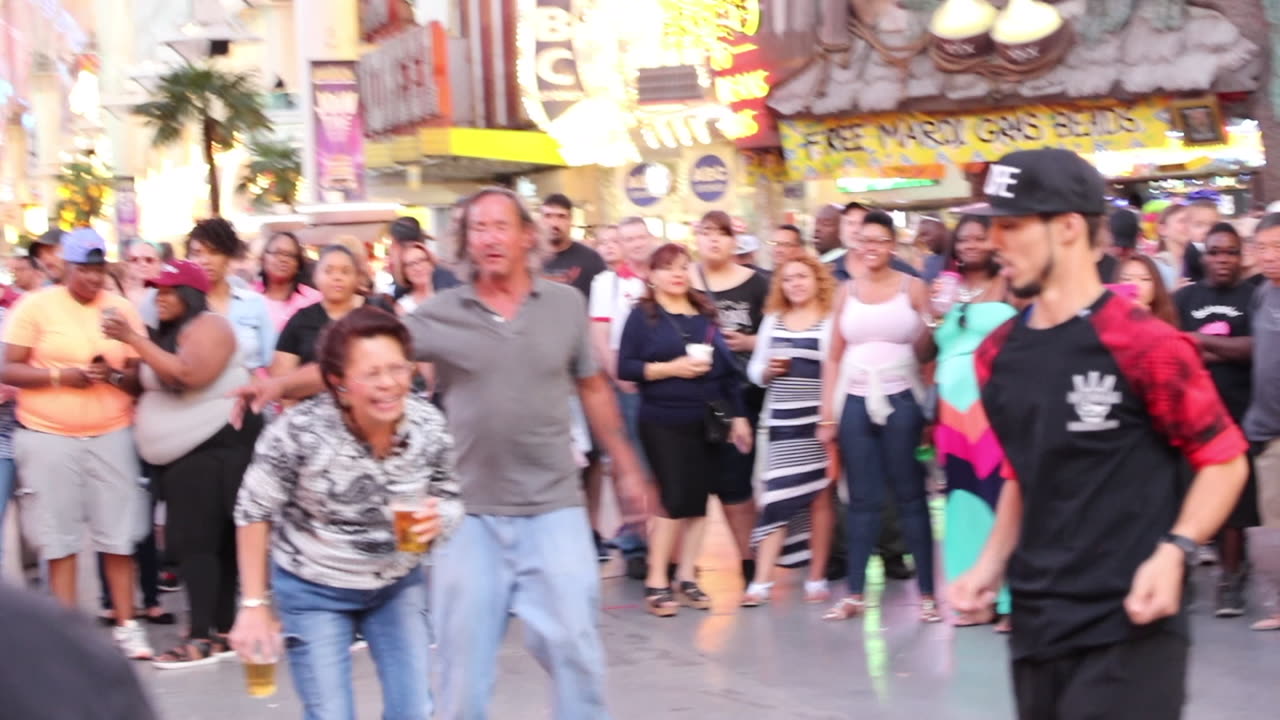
(181, 273)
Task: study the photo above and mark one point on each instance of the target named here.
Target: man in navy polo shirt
(1096, 404)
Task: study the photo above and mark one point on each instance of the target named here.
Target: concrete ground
(776, 662)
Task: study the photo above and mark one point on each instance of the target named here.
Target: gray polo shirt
(1262, 422)
(506, 387)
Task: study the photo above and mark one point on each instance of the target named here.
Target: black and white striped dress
(796, 461)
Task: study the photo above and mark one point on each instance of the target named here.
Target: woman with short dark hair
(317, 498)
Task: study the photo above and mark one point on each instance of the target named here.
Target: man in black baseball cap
(1097, 405)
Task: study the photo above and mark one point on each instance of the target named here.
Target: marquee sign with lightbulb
(681, 84)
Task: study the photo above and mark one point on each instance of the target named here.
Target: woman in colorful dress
(971, 460)
(796, 499)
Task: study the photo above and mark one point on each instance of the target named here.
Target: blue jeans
(876, 456)
(541, 569)
(7, 474)
(631, 537)
(320, 623)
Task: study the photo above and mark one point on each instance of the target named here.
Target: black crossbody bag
(717, 416)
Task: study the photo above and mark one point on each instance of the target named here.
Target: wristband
(55, 377)
(250, 603)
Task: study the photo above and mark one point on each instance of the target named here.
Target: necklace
(967, 295)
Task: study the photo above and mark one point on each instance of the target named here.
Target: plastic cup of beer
(402, 510)
(260, 676)
(780, 354)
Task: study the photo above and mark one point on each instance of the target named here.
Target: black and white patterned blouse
(327, 497)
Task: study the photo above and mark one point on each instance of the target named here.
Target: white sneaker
(132, 641)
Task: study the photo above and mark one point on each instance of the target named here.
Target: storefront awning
(460, 153)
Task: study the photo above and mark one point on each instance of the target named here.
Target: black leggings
(200, 490)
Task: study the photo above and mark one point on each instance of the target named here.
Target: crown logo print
(1093, 396)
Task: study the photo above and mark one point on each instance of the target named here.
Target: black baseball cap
(1124, 229)
(406, 229)
(1048, 180)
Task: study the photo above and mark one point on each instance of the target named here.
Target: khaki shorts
(70, 484)
(1267, 467)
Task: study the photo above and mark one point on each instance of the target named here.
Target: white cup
(699, 351)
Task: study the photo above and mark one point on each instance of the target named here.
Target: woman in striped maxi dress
(796, 520)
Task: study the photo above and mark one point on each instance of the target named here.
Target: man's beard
(1035, 287)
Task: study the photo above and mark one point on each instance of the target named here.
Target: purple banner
(339, 140)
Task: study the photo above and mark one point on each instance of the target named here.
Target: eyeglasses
(970, 238)
(416, 264)
(876, 240)
(1230, 252)
(786, 243)
(283, 255)
(400, 373)
(144, 260)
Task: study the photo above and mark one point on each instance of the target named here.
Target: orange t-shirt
(64, 333)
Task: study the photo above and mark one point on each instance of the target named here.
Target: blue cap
(84, 246)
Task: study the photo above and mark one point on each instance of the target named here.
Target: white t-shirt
(613, 294)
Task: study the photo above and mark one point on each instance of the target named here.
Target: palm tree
(224, 104)
(273, 174)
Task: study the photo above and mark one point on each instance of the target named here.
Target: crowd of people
(278, 418)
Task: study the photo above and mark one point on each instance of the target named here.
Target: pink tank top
(880, 340)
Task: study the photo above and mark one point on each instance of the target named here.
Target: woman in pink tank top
(872, 368)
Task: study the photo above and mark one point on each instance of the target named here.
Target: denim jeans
(540, 568)
(630, 539)
(880, 456)
(320, 623)
(6, 491)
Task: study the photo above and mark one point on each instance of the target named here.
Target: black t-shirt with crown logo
(1095, 417)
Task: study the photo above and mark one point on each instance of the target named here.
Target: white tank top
(171, 424)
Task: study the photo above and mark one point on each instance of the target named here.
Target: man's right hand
(688, 368)
(257, 395)
(974, 592)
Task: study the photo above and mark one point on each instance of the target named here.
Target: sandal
(690, 595)
(757, 594)
(192, 653)
(816, 591)
(976, 618)
(660, 602)
(929, 611)
(221, 645)
(845, 609)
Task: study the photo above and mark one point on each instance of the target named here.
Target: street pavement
(776, 662)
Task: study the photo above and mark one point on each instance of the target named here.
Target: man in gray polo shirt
(509, 350)
(1262, 422)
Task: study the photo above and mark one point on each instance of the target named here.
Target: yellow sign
(831, 147)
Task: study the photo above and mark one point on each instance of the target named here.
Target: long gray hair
(535, 257)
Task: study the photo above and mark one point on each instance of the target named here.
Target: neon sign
(608, 77)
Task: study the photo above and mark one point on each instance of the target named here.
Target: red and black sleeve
(1165, 369)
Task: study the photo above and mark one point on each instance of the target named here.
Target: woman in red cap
(189, 367)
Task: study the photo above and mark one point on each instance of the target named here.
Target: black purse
(716, 416)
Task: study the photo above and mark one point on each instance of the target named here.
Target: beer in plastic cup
(699, 351)
(260, 676)
(947, 287)
(402, 510)
(781, 353)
